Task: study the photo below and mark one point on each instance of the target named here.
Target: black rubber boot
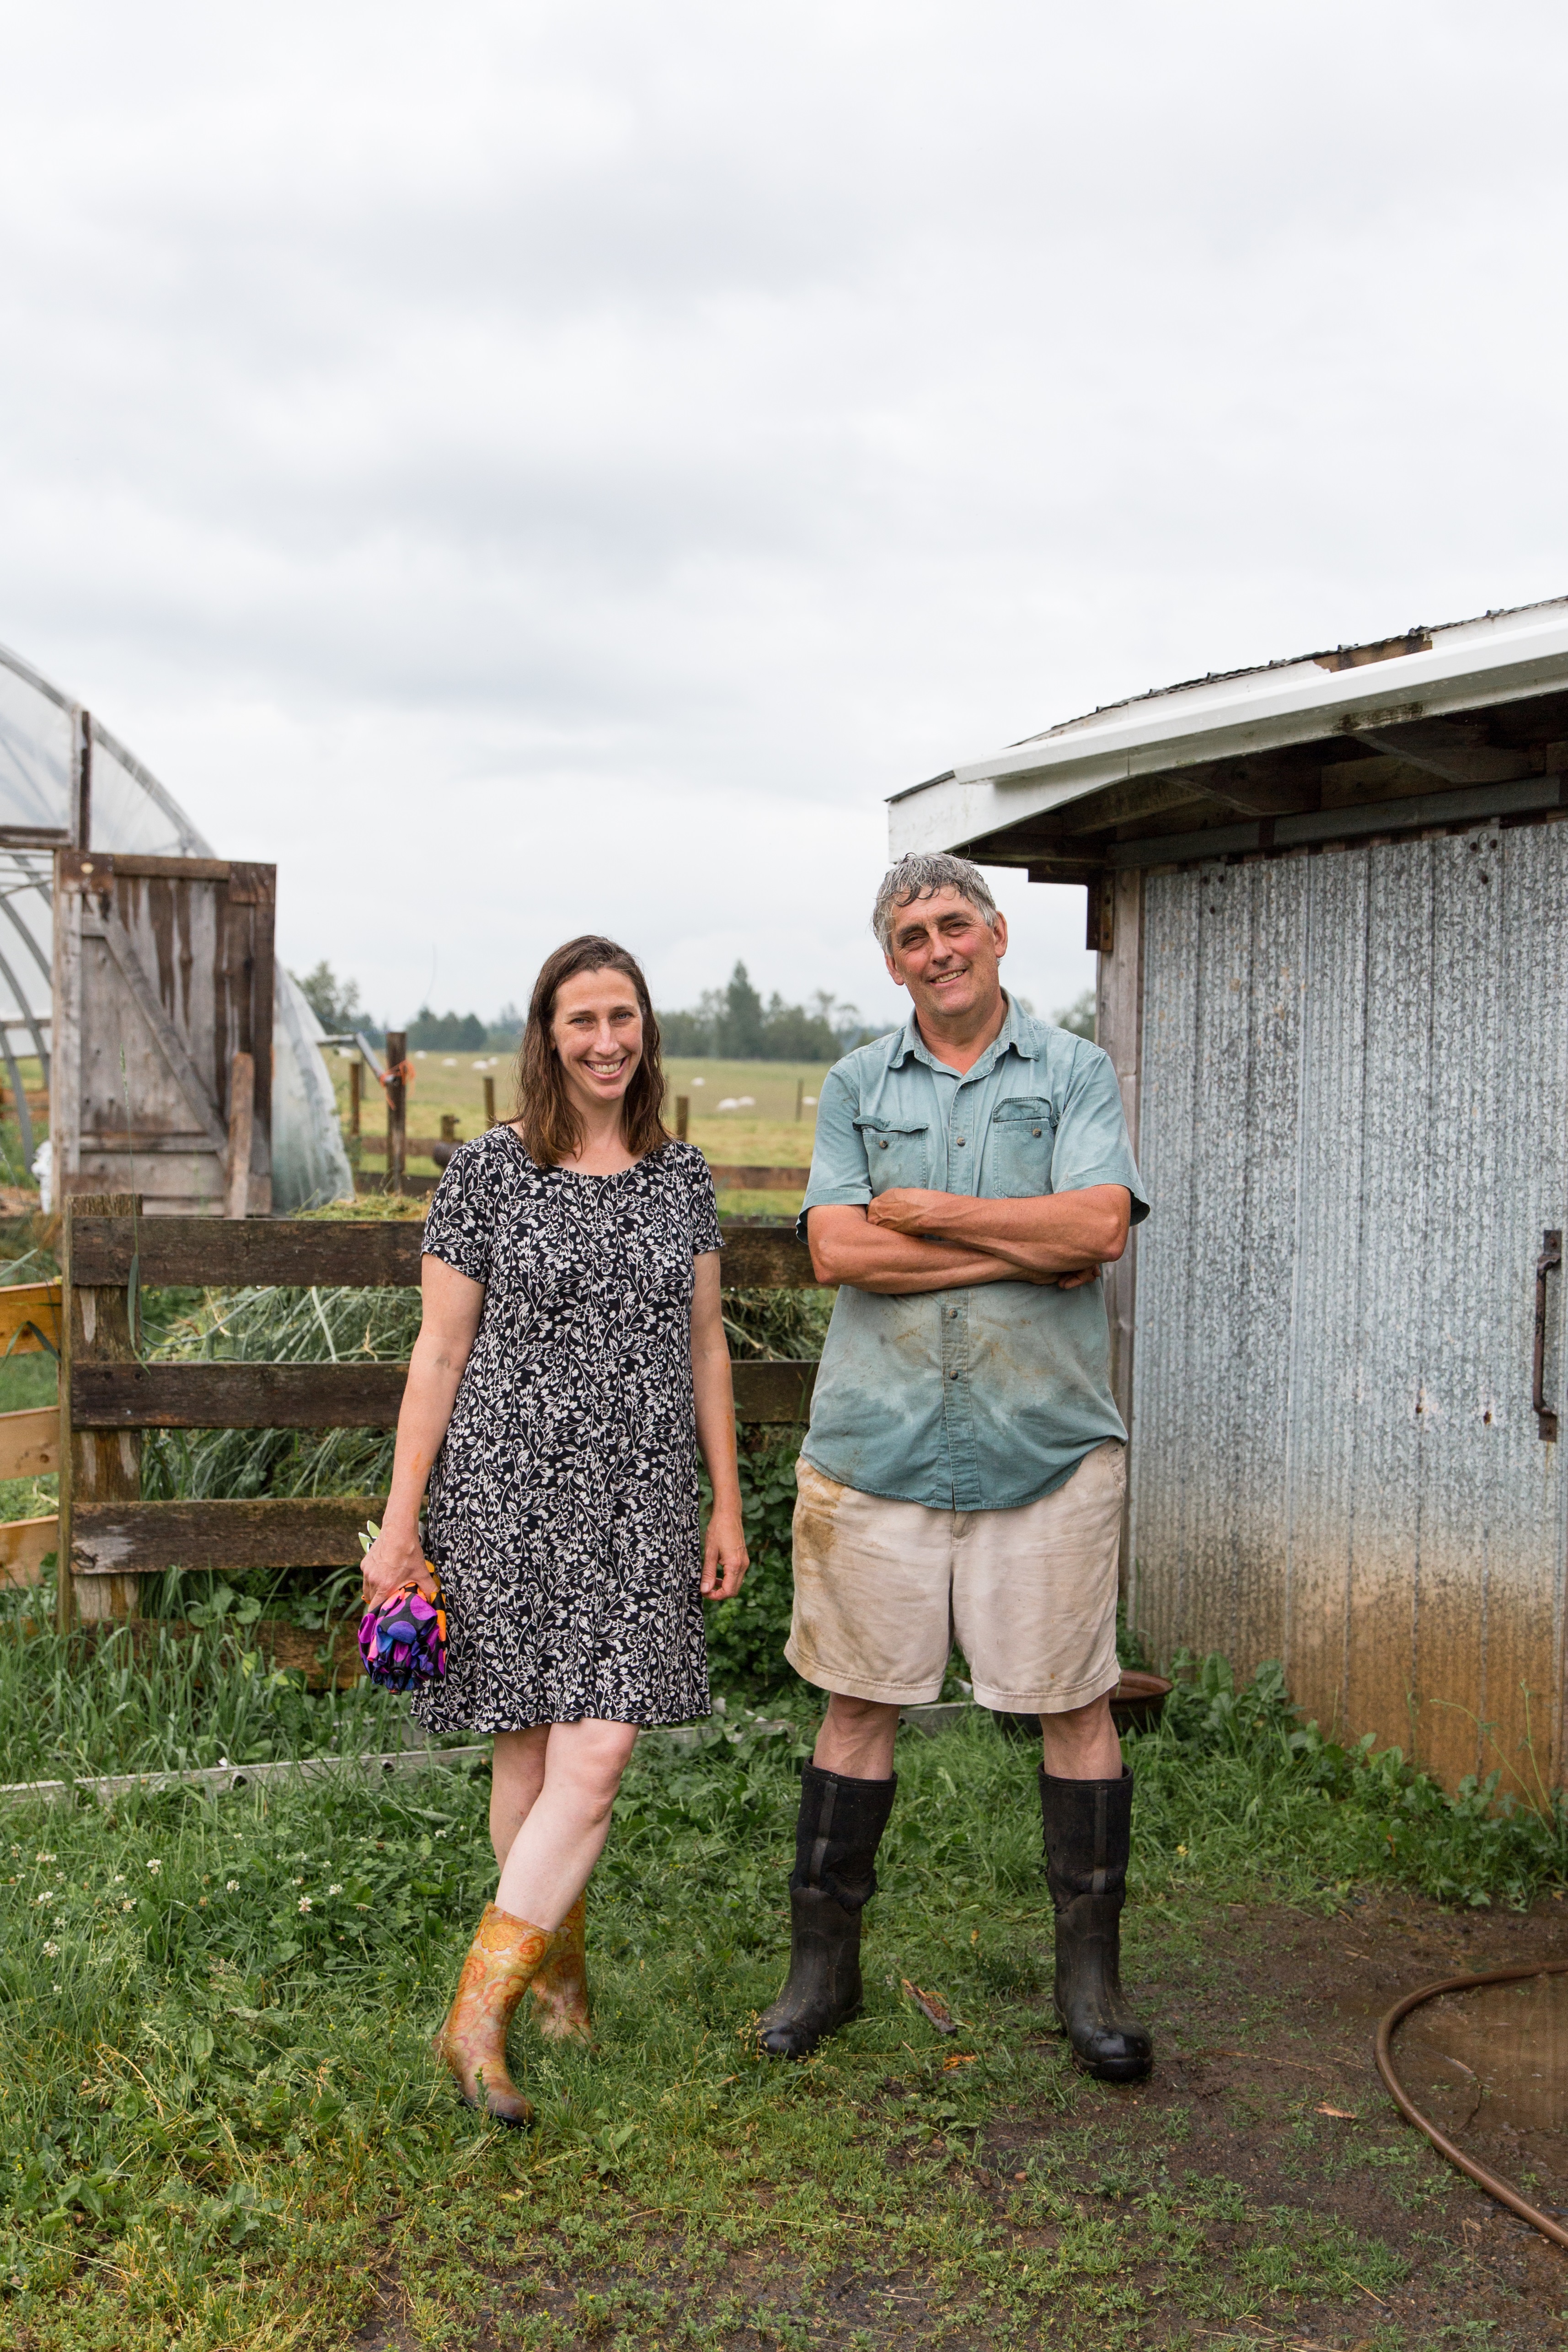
(837, 1833)
(1088, 1836)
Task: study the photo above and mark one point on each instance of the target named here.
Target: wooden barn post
(397, 1109)
(97, 1466)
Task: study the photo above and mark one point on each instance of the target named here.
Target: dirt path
(1260, 2188)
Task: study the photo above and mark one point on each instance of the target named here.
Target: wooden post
(683, 1115)
(81, 782)
(449, 1127)
(397, 1109)
(1119, 1028)
(97, 1466)
(356, 1081)
(242, 1119)
(800, 1096)
(489, 1103)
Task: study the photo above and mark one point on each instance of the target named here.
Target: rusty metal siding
(1354, 1099)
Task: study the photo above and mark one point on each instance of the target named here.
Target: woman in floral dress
(571, 1362)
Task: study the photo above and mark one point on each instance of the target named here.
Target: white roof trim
(1500, 658)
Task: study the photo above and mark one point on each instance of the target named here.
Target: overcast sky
(531, 468)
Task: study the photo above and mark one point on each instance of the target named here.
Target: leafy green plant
(1309, 1804)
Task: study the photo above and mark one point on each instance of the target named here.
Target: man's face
(943, 952)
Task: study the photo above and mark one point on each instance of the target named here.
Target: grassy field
(220, 2127)
(763, 1132)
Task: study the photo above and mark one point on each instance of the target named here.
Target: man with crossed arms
(964, 1470)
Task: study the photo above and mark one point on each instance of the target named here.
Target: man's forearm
(1051, 1233)
(976, 1266)
(876, 1258)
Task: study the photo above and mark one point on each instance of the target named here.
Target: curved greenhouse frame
(64, 778)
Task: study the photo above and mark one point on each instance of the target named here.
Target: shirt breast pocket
(1018, 1149)
(896, 1153)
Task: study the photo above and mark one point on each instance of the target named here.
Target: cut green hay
(222, 2118)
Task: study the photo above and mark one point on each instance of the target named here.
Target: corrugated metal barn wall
(1355, 1130)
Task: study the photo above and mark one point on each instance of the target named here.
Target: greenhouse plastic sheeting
(134, 813)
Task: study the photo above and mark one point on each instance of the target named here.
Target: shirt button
(882, 1143)
(1034, 1131)
(960, 1143)
(954, 1376)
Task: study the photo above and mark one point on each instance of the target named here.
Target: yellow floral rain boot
(559, 1985)
(504, 1957)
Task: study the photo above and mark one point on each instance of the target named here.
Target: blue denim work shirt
(980, 1399)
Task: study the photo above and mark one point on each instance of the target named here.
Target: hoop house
(65, 780)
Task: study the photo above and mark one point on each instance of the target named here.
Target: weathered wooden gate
(160, 1081)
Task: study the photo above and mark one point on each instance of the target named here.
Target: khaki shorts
(883, 1590)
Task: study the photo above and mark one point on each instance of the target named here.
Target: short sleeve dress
(563, 1503)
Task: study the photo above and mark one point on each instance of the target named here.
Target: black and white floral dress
(563, 1503)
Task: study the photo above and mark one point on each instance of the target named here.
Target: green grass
(155, 1698)
(220, 2110)
(220, 2124)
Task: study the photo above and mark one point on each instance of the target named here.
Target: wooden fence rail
(726, 1178)
(108, 1536)
(29, 1441)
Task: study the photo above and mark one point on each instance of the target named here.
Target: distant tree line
(727, 1024)
(336, 1004)
(733, 1025)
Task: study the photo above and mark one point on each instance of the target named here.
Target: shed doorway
(1354, 1127)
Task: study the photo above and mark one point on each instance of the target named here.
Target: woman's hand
(392, 1561)
(725, 1559)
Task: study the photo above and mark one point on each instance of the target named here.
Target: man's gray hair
(921, 878)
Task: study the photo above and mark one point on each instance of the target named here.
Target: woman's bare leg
(517, 1776)
(562, 1836)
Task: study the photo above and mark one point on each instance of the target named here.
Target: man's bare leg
(1080, 1743)
(856, 1739)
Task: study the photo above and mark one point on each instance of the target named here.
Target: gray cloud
(533, 466)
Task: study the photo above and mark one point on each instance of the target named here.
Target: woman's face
(597, 1029)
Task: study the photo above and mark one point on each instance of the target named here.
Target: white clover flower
(128, 1905)
(305, 1903)
(334, 1890)
(46, 1857)
(46, 1897)
(118, 1878)
(300, 1882)
(57, 1988)
(231, 1886)
(52, 1951)
(154, 1867)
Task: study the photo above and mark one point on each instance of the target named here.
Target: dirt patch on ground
(1263, 2154)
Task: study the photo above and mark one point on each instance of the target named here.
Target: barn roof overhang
(1443, 725)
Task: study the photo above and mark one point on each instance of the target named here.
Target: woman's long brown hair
(552, 1131)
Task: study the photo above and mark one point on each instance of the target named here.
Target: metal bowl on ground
(1135, 1704)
